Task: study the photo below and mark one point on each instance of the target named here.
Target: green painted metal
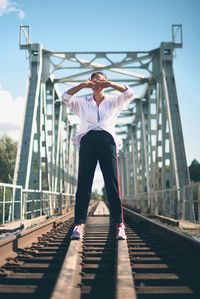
(152, 154)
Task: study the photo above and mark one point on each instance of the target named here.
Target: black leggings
(97, 146)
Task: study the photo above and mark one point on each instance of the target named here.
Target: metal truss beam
(152, 155)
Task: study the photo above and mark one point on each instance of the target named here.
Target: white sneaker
(121, 235)
(77, 232)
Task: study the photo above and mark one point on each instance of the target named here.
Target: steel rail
(9, 246)
(165, 263)
(97, 266)
(154, 262)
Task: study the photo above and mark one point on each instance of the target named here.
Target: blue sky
(107, 25)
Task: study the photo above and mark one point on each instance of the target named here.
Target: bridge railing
(166, 203)
(8, 205)
(17, 203)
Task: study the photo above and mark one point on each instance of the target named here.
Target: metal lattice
(152, 156)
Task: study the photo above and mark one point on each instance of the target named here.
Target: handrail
(17, 203)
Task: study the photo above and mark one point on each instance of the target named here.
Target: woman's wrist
(111, 84)
(86, 84)
(83, 85)
(119, 87)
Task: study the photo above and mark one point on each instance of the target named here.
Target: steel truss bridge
(152, 161)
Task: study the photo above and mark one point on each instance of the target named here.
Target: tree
(8, 151)
(104, 196)
(95, 195)
(194, 170)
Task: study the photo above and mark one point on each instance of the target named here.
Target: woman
(97, 142)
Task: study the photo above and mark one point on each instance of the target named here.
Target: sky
(106, 25)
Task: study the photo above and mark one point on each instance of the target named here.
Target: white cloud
(7, 6)
(21, 14)
(3, 5)
(11, 114)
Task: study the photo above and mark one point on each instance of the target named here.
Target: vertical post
(60, 203)
(198, 203)
(24, 198)
(41, 203)
(21, 205)
(174, 122)
(4, 193)
(155, 202)
(32, 208)
(24, 37)
(13, 204)
(177, 40)
(144, 112)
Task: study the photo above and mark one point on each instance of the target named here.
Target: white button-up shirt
(93, 117)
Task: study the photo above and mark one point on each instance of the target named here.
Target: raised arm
(126, 92)
(77, 88)
(118, 87)
(114, 85)
(71, 100)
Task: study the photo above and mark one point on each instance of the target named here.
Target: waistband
(97, 135)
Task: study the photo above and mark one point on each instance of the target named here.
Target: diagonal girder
(152, 155)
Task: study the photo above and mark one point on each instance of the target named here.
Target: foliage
(194, 170)
(104, 196)
(96, 196)
(8, 151)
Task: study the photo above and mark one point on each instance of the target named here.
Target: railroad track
(31, 273)
(31, 260)
(155, 262)
(165, 263)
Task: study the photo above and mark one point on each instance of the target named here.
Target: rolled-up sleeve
(73, 102)
(124, 98)
(66, 98)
